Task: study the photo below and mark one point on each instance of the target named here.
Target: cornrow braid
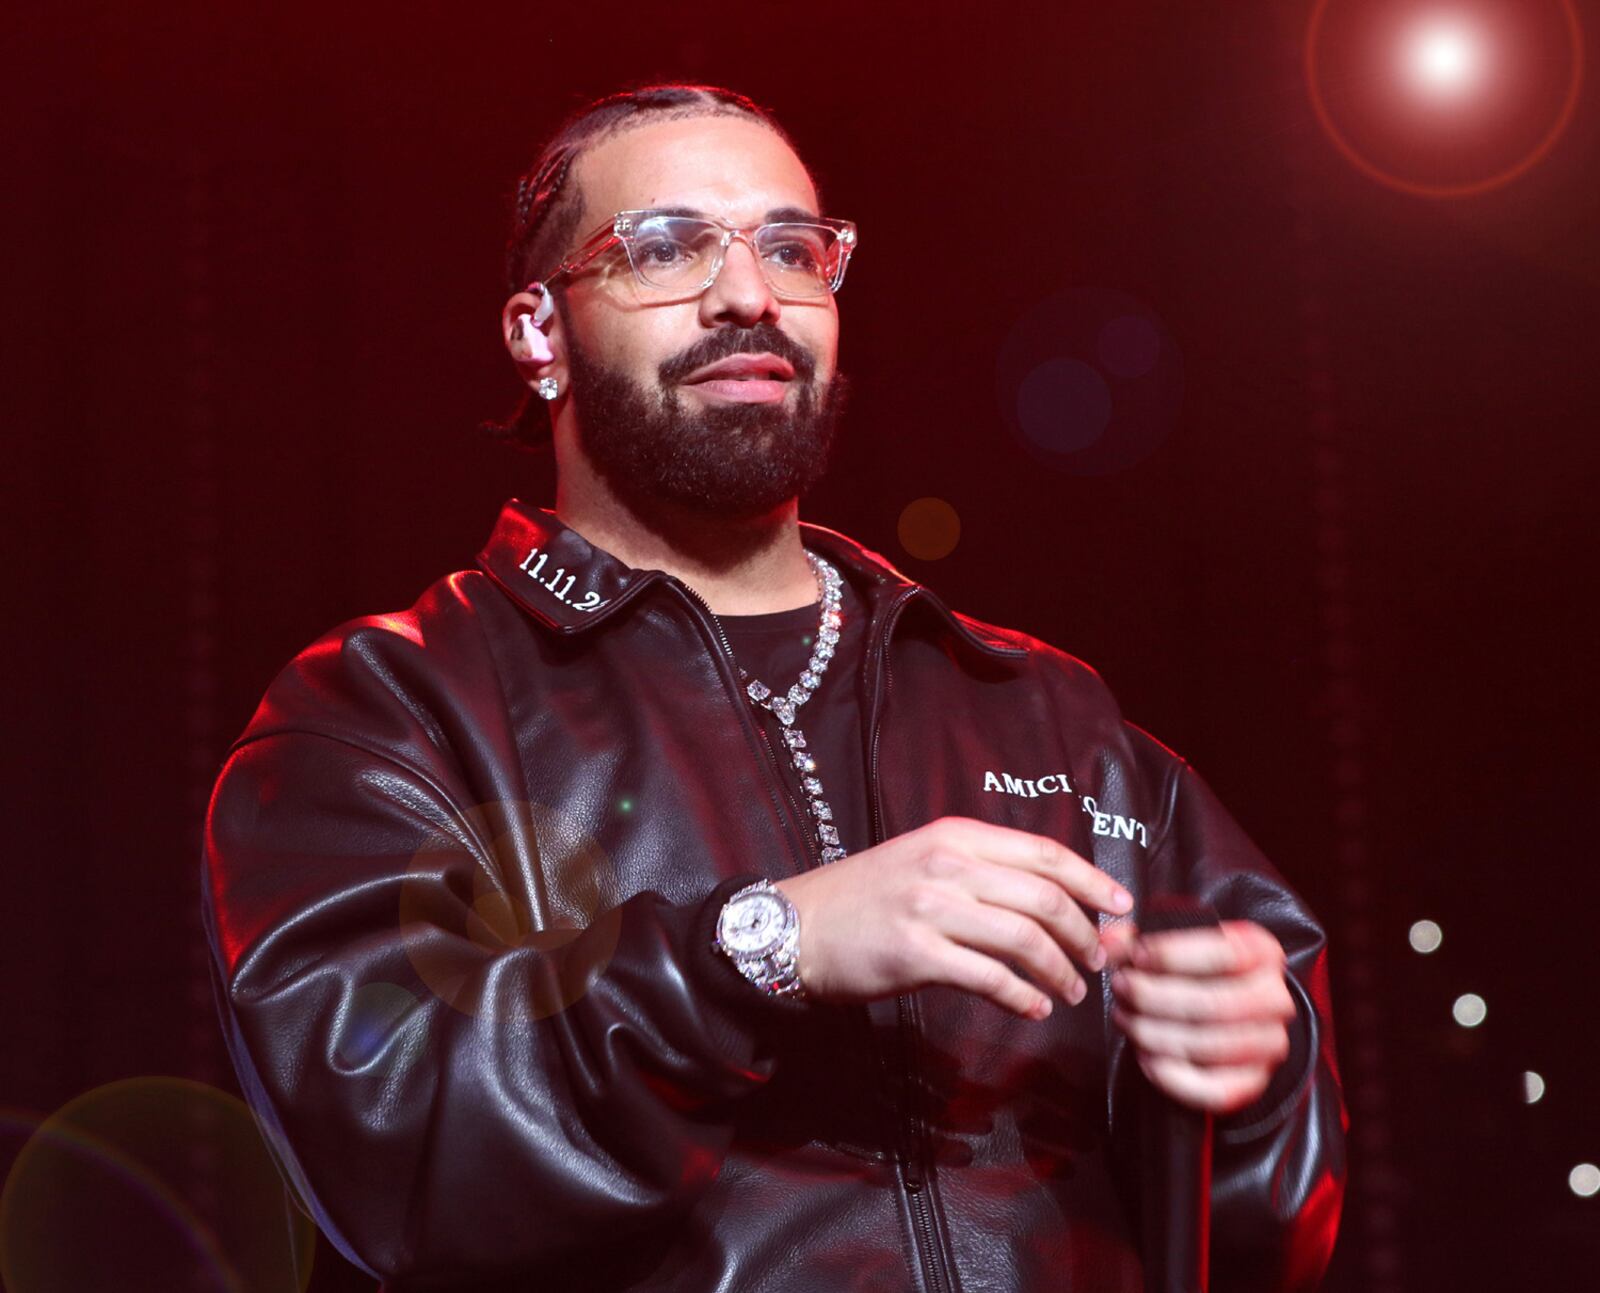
(536, 194)
(546, 212)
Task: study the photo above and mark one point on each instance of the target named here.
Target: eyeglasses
(682, 253)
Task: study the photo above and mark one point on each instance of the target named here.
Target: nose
(741, 294)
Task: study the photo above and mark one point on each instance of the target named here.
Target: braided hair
(547, 210)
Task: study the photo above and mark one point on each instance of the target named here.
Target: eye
(661, 250)
(796, 255)
(795, 247)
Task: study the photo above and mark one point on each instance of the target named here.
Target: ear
(530, 328)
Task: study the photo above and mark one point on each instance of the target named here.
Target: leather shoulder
(385, 680)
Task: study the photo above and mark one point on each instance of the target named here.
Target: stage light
(1444, 98)
(1532, 1087)
(1584, 1180)
(1470, 1010)
(1426, 936)
(1445, 57)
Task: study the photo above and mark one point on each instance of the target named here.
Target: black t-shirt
(774, 648)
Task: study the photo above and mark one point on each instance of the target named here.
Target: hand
(954, 902)
(1206, 1010)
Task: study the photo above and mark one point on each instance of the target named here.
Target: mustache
(761, 338)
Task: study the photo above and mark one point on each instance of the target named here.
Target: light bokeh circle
(929, 529)
(152, 1182)
(1089, 380)
(544, 891)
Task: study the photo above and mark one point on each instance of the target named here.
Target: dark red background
(251, 303)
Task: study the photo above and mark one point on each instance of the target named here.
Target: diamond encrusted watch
(759, 931)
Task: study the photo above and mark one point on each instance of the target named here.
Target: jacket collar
(569, 585)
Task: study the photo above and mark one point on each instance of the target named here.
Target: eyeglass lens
(678, 252)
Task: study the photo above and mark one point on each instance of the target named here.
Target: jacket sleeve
(1278, 1165)
(450, 1088)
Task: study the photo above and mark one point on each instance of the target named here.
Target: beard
(734, 461)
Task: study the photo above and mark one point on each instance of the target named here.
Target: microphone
(1176, 1152)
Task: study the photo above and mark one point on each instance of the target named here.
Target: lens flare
(563, 927)
(929, 529)
(1445, 57)
(1089, 380)
(160, 1176)
(1444, 98)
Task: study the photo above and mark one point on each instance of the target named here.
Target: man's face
(651, 418)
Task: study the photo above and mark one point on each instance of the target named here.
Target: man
(685, 899)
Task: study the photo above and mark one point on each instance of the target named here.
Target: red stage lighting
(1444, 98)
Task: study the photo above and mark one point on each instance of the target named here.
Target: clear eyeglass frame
(624, 228)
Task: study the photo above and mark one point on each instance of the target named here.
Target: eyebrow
(777, 215)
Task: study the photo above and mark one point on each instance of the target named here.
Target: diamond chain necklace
(830, 586)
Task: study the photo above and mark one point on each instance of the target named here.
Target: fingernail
(1078, 992)
(1097, 959)
(1042, 1008)
(1121, 900)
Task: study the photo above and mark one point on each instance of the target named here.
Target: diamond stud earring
(548, 389)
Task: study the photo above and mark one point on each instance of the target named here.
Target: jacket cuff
(1283, 1092)
(714, 974)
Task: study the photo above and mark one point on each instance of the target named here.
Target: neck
(740, 566)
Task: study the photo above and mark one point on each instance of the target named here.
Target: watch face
(752, 924)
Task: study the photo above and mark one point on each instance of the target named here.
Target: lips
(743, 379)
(743, 368)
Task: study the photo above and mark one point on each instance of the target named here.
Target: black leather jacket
(461, 872)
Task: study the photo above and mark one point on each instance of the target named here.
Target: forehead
(730, 167)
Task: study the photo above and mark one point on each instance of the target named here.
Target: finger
(1235, 947)
(1041, 899)
(1039, 854)
(1219, 1090)
(1206, 1045)
(1260, 995)
(1010, 936)
(1118, 940)
(961, 967)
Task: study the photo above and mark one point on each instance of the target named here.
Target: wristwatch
(759, 931)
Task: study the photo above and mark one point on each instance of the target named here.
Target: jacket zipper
(782, 794)
(918, 1180)
(919, 1183)
(910, 1135)
(811, 845)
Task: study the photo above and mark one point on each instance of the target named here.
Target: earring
(548, 389)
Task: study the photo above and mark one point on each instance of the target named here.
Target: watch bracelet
(783, 979)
